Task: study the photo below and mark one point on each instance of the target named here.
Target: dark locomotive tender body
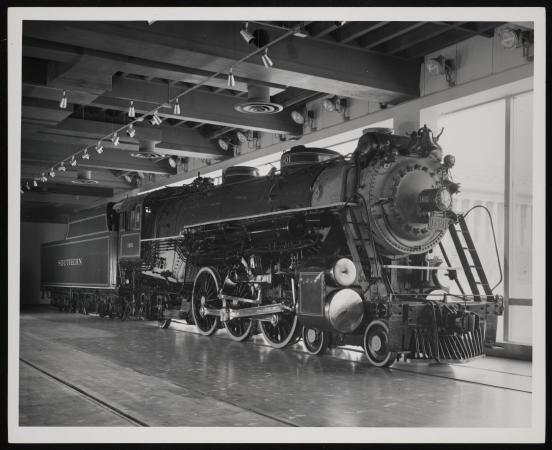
(82, 268)
(261, 252)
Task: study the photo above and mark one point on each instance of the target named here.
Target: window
(492, 144)
(476, 138)
(520, 239)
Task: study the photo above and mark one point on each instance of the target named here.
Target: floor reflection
(338, 389)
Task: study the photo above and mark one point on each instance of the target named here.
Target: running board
(227, 314)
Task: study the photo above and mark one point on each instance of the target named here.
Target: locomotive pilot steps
(334, 250)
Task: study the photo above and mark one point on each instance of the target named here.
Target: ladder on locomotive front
(465, 248)
(361, 246)
(365, 257)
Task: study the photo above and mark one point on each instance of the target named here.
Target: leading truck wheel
(205, 295)
(316, 341)
(376, 344)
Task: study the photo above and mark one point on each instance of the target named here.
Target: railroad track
(87, 396)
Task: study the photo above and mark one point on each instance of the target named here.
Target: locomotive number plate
(438, 222)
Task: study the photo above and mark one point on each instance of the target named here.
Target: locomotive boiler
(336, 250)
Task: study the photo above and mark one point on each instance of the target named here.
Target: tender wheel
(316, 341)
(204, 293)
(376, 344)
(282, 332)
(240, 329)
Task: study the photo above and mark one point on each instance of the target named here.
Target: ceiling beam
(42, 155)
(73, 189)
(320, 29)
(44, 112)
(428, 31)
(426, 47)
(353, 30)
(305, 63)
(87, 73)
(64, 53)
(76, 200)
(177, 141)
(388, 32)
(485, 29)
(456, 34)
(197, 106)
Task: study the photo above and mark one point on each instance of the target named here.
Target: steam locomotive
(336, 250)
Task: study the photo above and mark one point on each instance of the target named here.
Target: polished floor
(79, 370)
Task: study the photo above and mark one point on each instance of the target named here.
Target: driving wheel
(282, 330)
(205, 295)
(240, 328)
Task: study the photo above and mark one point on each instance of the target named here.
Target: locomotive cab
(130, 226)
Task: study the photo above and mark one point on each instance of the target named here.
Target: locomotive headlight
(344, 272)
(437, 199)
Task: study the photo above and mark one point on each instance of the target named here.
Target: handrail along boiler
(334, 250)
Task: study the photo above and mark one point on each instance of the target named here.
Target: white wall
(32, 236)
(476, 58)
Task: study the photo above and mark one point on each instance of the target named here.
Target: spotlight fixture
(223, 144)
(131, 110)
(301, 117)
(99, 148)
(329, 105)
(128, 179)
(297, 117)
(301, 32)
(155, 119)
(334, 104)
(73, 161)
(61, 167)
(516, 38)
(27, 186)
(151, 22)
(266, 60)
(85, 154)
(114, 139)
(172, 162)
(131, 131)
(241, 137)
(35, 184)
(52, 173)
(176, 109)
(246, 35)
(442, 66)
(340, 23)
(43, 178)
(231, 80)
(22, 191)
(63, 101)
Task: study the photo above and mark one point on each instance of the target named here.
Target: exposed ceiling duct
(146, 150)
(258, 101)
(84, 177)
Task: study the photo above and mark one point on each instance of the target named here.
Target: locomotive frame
(333, 250)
